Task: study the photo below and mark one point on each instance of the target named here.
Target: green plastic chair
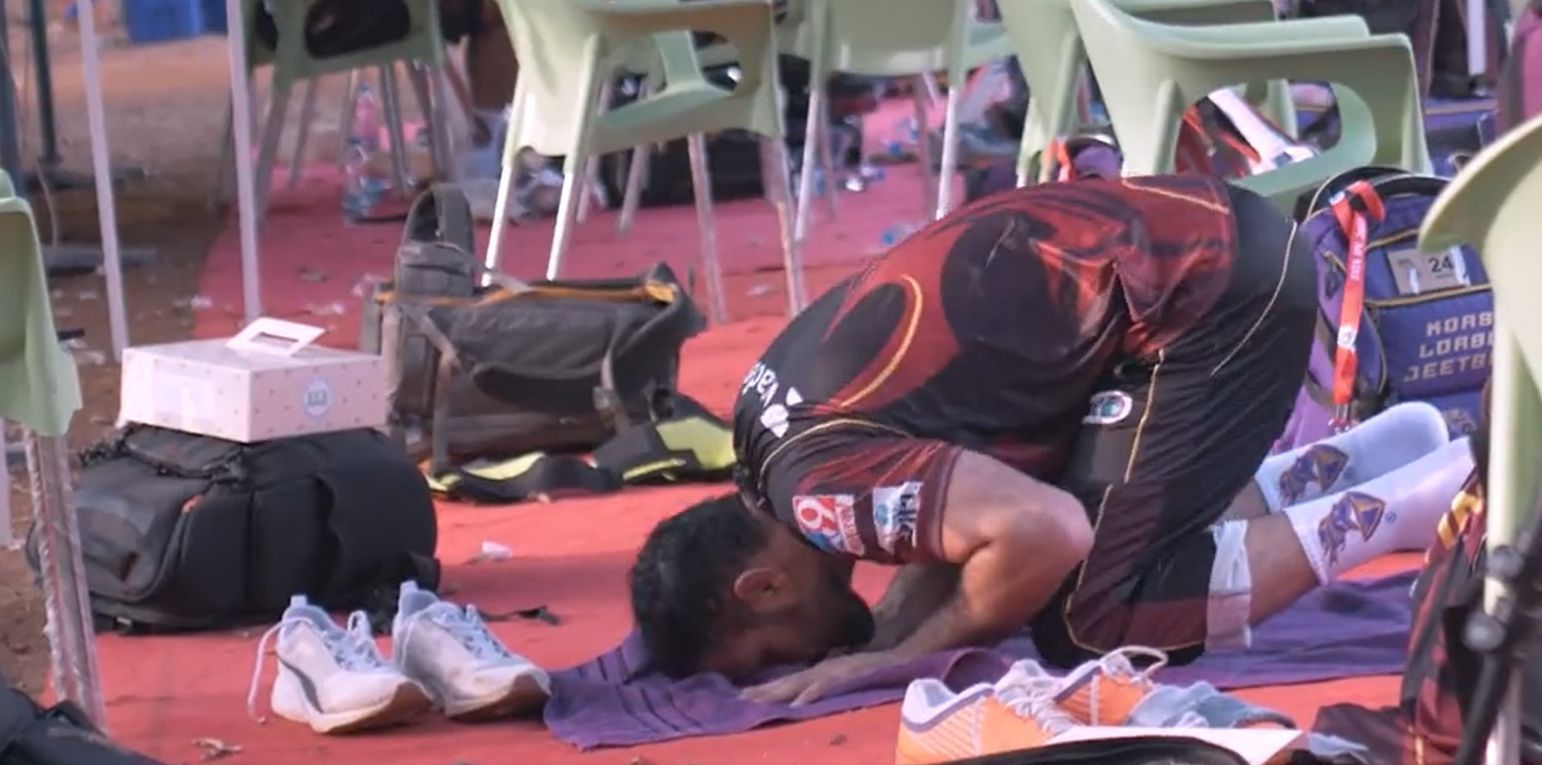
(568, 48)
(889, 38)
(1150, 73)
(40, 390)
(1492, 205)
(39, 387)
(1050, 51)
(293, 63)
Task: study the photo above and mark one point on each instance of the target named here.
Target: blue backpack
(1425, 325)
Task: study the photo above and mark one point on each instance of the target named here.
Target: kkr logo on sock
(1353, 513)
(1321, 464)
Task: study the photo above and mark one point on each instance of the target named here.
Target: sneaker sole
(525, 695)
(408, 702)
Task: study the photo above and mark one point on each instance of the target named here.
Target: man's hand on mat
(816, 682)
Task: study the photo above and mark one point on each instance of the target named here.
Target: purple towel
(1348, 629)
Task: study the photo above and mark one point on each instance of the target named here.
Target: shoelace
(1033, 698)
(467, 627)
(353, 647)
(1117, 665)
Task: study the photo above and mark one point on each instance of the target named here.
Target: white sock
(1398, 511)
(1381, 444)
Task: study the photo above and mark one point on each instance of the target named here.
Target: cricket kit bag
(187, 532)
(500, 382)
(1394, 324)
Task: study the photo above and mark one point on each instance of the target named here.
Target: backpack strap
(1309, 204)
(441, 214)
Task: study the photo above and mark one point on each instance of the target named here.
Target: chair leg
(433, 118)
(567, 212)
(949, 169)
(701, 184)
(807, 169)
(827, 157)
(266, 155)
(573, 163)
(225, 173)
(391, 99)
(345, 130)
(307, 112)
(511, 141)
(923, 144)
(636, 171)
(591, 188)
(774, 156)
(6, 535)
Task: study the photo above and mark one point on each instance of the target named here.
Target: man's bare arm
(1014, 540)
(915, 593)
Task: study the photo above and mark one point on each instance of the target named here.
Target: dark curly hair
(682, 579)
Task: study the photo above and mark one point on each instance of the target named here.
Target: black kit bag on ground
(60, 735)
(186, 532)
(513, 368)
(1134, 750)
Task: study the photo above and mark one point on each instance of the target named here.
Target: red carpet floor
(570, 556)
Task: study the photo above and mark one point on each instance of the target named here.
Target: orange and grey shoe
(1016, 712)
(1106, 691)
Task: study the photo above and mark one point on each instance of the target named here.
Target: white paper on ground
(1256, 745)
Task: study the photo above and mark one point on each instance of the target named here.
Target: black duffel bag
(60, 735)
(514, 367)
(182, 532)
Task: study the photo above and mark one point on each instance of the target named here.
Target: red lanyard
(1061, 156)
(1355, 208)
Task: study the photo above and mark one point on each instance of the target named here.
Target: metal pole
(246, 194)
(1477, 37)
(101, 165)
(10, 128)
(71, 640)
(37, 19)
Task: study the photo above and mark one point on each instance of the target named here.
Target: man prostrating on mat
(1052, 408)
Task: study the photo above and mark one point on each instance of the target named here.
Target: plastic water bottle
(366, 118)
(358, 196)
(905, 139)
(362, 190)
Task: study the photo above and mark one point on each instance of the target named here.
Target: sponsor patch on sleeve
(894, 515)
(829, 521)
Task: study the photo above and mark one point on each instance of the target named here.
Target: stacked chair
(1053, 58)
(422, 50)
(1150, 73)
(889, 38)
(569, 50)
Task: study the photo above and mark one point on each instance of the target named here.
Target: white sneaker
(332, 679)
(450, 651)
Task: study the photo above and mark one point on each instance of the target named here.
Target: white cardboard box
(266, 382)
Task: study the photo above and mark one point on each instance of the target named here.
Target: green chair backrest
(39, 385)
(1493, 205)
(563, 46)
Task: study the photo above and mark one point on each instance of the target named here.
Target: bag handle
(258, 337)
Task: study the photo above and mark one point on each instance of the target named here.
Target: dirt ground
(164, 113)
